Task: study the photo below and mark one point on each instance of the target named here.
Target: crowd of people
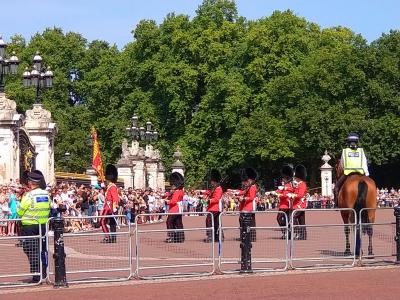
(88, 201)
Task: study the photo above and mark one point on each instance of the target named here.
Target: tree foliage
(230, 92)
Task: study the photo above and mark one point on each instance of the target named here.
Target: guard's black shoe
(207, 240)
(169, 240)
(105, 241)
(35, 279)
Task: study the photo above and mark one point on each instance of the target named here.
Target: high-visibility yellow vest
(35, 204)
(353, 161)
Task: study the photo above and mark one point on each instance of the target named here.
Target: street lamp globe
(35, 75)
(26, 78)
(3, 46)
(13, 62)
(49, 77)
(37, 61)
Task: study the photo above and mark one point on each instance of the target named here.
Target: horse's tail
(361, 201)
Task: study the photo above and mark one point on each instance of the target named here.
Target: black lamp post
(67, 157)
(39, 78)
(137, 133)
(7, 65)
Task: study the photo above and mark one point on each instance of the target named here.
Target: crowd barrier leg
(59, 254)
(245, 242)
(397, 238)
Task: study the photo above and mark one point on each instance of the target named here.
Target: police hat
(111, 173)
(177, 180)
(35, 177)
(249, 173)
(353, 137)
(287, 171)
(215, 175)
(300, 172)
(42, 182)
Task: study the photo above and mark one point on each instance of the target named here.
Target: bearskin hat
(300, 172)
(287, 171)
(42, 183)
(215, 175)
(111, 173)
(249, 173)
(177, 180)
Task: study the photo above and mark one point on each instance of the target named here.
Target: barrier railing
(15, 251)
(87, 257)
(162, 253)
(269, 243)
(192, 251)
(378, 237)
(325, 244)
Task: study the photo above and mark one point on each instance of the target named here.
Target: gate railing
(16, 266)
(193, 251)
(381, 234)
(175, 252)
(325, 244)
(89, 257)
(269, 243)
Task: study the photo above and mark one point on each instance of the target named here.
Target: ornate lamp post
(141, 133)
(39, 78)
(7, 65)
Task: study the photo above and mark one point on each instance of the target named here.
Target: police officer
(34, 211)
(353, 161)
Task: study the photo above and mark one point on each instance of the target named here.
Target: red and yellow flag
(97, 164)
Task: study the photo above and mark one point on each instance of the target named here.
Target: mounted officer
(352, 161)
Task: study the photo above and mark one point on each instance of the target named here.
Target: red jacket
(284, 200)
(296, 195)
(249, 202)
(175, 201)
(112, 198)
(215, 204)
(299, 199)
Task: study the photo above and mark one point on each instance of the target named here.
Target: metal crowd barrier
(15, 269)
(166, 253)
(324, 246)
(89, 260)
(188, 252)
(269, 242)
(383, 232)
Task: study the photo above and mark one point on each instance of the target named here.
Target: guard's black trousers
(32, 250)
(175, 222)
(213, 216)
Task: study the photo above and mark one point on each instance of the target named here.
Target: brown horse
(357, 192)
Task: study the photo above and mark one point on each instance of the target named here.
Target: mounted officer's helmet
(353, 140)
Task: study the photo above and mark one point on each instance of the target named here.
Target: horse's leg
(370, 231)
(345, 217)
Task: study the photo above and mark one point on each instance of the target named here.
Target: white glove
(281, 188)
(115, 210)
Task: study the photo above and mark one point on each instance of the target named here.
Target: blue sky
(113, 20)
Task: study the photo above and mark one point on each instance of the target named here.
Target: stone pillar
(139, 174)
(126, 173)
(178, 166)
(326, 176)
(10, 123)
(42, 132)
(152, 174)
(161, 177)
